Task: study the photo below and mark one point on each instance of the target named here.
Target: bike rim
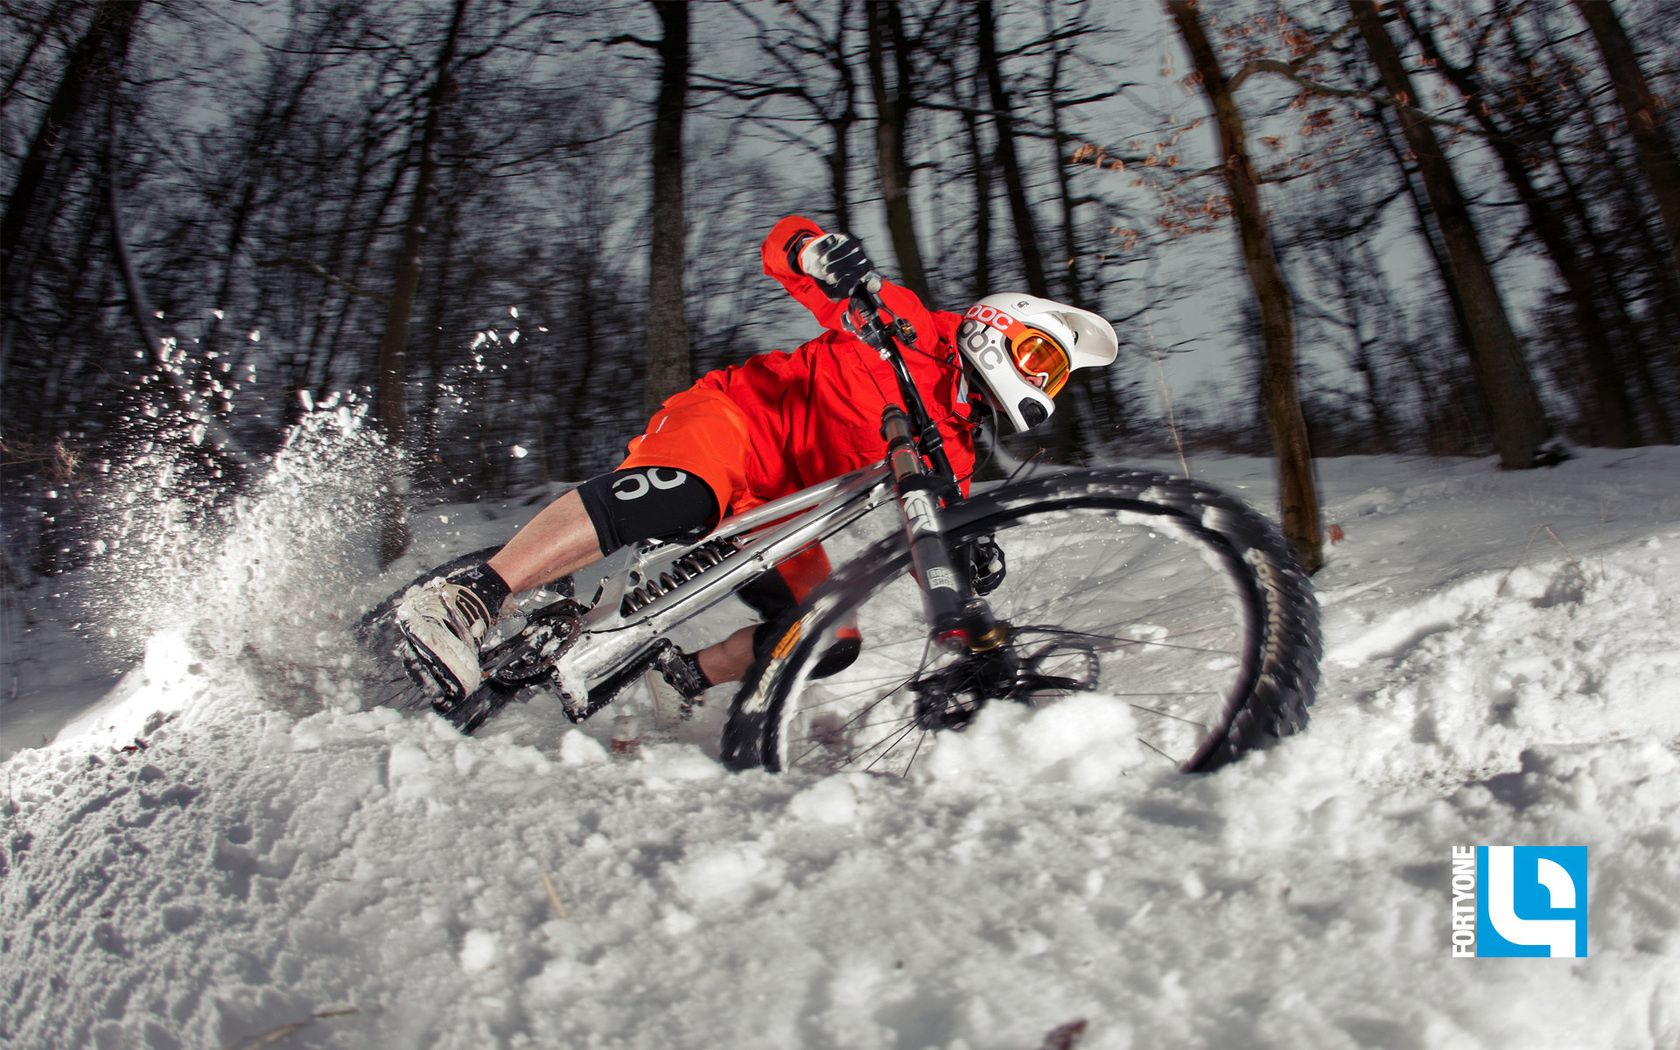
(1166, 613)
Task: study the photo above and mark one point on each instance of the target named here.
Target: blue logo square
(1531, 902)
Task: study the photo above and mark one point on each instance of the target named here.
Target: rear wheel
(1157, 593)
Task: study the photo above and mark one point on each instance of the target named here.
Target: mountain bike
(1156, 592)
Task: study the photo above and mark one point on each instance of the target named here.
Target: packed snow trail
(1500, 669)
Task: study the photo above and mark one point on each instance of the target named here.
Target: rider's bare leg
(559, 541)
(728, 660)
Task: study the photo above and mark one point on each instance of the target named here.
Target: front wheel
(1151, 591)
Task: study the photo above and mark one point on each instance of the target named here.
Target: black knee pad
(648, 503)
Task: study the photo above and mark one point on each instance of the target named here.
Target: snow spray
(262, 572)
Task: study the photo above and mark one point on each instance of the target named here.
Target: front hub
(950, 697)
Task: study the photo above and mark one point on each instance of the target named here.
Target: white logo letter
(1558, 934)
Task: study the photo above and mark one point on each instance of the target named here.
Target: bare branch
(1289, 72)
(315, 269)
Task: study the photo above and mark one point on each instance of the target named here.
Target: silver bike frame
(763, 537)
(770, 534)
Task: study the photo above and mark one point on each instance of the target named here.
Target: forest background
(498, 231)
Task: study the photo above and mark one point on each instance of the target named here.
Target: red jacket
(815, 413)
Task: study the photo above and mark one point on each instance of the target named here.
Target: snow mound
(269, 858)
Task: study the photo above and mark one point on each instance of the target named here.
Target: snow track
(275, 856)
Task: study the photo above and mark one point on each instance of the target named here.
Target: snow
(228, 847)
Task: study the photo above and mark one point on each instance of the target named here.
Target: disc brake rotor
(950, 696)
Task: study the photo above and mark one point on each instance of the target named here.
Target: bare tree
(88, 76)
(1653, 150)
(1009, 163)
(1331, 243)
(1296, 490)
(393, 345)
(667, 322)
(1615, 421)
(1607, 222)
(1519, 422)
(810, 64)
(894, 102)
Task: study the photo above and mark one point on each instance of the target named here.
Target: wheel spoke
(890, 744)
(1160, 614)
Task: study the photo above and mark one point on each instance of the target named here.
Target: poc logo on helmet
(982, 333)
(1519, 902)
(990, 315)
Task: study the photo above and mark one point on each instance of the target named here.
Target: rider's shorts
(703, 432)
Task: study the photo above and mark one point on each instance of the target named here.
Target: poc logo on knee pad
(643, 503)
(629, 485)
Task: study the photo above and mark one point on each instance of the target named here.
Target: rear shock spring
(700, 559)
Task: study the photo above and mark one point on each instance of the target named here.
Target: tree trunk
(44, 31)
(1066, 435)
(1655, 153)
(392, 364)
(892, 113)
(1014, 184)
(1071, 436)
(839, 171)
(1616, 424)
(1661, 429)
(272, 126)
(968, 90)
(1059, 142)
(447, 288)
(1518, 420)
(1284, 420)
(90, 62)
(667, 323)
(109, 33)
(982, 237)
(1426, 230)
(588, 319)
(840, 127)
(221, 443)
(1617, 293)
(1656, 336)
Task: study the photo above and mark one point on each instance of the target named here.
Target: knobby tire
(1266, 665)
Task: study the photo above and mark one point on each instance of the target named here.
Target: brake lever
(866, 318)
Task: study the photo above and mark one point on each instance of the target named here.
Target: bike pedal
(670, 707)
(429, 677)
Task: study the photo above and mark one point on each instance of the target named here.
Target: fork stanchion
(951, 611)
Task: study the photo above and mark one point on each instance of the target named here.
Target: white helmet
(1022, 348)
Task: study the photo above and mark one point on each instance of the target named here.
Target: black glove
(838, 264)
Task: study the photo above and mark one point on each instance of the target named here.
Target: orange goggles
(1041, 362)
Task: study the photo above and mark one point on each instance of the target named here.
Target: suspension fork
(959, 619)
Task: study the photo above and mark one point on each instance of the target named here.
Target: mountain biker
(766, 428)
